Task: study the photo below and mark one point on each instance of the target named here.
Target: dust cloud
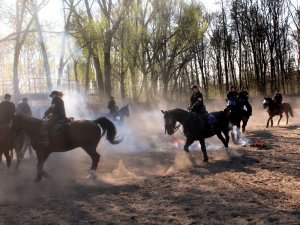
(144, 152)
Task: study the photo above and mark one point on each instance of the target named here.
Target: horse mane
(32, 119)
(268, 98)
(177, 110)
(35, 122)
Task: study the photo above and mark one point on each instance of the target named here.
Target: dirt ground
(148, 179)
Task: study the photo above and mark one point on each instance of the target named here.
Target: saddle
(199, 122)
(61, 125)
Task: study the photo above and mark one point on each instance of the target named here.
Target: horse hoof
(205, 160)
(92, 175)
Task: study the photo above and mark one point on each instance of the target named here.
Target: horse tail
(290, 110)
(109, 129)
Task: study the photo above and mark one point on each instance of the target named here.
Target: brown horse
(8, 142)
(82, 133)
(274, 110)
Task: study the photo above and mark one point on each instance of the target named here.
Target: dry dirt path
(158, 185)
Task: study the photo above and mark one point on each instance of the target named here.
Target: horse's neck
(31, 127)
(180, 116)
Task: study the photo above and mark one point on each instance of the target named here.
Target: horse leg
(268, 121)
(42, 156)
(95, 160)
(220, 136)
(188, 142)
(287, 117)
(245, 122)
(232, 135)
(30, 150)
(12, 153)
(225, 132)
(279, 119)
(203, 148)
(238, 131)
(8, 158)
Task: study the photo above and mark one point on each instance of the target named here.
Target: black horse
(118, 117)
(81, 133)
(237, 112)
(197, 129)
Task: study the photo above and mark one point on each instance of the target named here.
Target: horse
(237, 113)
(197, 130)
(80, 133)
(118, 117)
(273, 110)
(8, 142)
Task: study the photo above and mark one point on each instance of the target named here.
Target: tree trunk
(44, 51)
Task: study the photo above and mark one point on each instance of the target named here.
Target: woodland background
(137, 50)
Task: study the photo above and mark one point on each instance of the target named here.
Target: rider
(112, 106)
(243, 97)
(277, 99)
(232, 96)
(197, 104)
(196, 100)
(7, 109)
(55, 114)
(23, 108)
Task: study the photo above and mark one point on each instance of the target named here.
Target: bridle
(175, 128)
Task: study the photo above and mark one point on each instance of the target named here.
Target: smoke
(144, 152)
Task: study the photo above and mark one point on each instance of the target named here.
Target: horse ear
(163, 112)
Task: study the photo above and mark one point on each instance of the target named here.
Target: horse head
(124, 111)
(170, 122)
(267, 102)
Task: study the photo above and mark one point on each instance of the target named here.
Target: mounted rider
(198, 108)
(232, 97)
(112, 106)
(243, 99)
(277, 99)
(196, 101)
(7, 110)
(55, 117)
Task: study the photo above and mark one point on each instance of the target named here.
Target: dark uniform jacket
(243, 95)
(197, 104)
(112, 106)
(24, 109)
(232, 95)
(278, 98)
(58, 111)
(7, 111)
